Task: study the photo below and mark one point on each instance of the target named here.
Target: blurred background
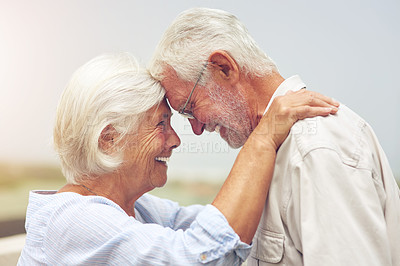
(344, 49)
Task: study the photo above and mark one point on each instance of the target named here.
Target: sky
(344, 49)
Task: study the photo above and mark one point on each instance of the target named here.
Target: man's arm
(336, 212)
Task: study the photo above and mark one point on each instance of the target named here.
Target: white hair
(110, 89)
(196, 33)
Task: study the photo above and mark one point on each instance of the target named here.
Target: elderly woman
(114, 139)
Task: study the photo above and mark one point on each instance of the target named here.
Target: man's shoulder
(341, 133)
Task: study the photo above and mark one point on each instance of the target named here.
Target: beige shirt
(333, 199)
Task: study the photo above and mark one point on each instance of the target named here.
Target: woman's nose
(197, 126)
(173, 140)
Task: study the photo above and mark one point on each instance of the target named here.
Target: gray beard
(233, 116)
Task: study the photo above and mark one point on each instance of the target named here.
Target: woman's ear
(107, 139)
(224, 67)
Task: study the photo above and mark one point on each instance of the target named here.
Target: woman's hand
(285, 110)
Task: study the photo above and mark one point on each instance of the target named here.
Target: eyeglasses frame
(182, 111)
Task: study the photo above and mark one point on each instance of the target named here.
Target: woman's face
(148, 150)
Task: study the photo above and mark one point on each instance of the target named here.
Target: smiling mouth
(162, 159)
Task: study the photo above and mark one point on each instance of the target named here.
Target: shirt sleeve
(336, 215)
(152, 209)
(97, 233)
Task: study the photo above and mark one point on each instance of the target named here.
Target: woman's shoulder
(83, 207)
(52, 201)
(66, 210)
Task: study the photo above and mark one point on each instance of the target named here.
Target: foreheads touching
(196, 33)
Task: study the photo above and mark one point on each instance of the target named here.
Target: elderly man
(333, 199)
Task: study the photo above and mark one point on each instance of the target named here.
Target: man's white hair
(110, 89)
(196, 33)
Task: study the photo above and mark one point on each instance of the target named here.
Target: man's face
(214, 108)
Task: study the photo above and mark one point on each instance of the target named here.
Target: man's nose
(197, 126)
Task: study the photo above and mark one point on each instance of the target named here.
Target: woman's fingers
(286, 110)
(303, 112)
(313, 98)
(319, 97)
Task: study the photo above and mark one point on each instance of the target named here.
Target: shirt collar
(293, 83)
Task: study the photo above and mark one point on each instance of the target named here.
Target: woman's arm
(86, 230)
(168, 213)
(243, 195)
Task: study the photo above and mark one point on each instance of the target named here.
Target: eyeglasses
(186, 113)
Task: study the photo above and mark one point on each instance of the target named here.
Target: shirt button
(203, 256)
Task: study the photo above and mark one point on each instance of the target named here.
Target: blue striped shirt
(70, 229)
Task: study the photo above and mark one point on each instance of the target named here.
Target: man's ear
(224, 67)
(107, 139)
